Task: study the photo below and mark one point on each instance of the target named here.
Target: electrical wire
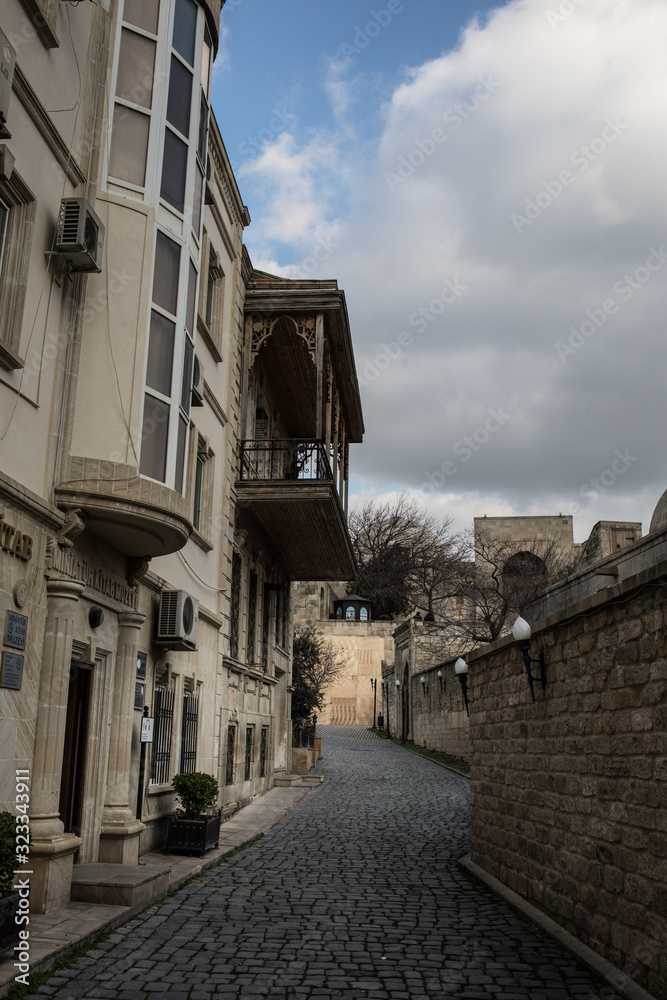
(219, 590)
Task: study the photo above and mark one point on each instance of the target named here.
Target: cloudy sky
(486, 182)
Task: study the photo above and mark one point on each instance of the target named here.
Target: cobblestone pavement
(357, 893)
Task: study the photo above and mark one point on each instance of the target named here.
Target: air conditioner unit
(80, 235)
(178, 619)
(197, 383)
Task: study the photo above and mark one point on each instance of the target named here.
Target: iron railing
(164, 714)
(304, 732)
(285, 460)
(189, 732)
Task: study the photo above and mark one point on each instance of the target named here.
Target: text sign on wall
(16, 630)
(11, 674)
(147, 730)
(139, 691)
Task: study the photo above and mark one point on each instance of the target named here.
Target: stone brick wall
(439, 719)
(569, 793)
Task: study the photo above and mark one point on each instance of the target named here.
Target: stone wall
(569, 792)
(439, 720)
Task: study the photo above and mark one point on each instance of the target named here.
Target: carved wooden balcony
(287, 489)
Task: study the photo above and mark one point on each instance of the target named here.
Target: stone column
(119, 839)
(52, 850)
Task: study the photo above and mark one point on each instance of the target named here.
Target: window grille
(263, 748)
(231, 743)
(266, 626)
(164, 717)
(252, 617)
(189, 732)
(279, 601)
(235, 609)
(248, 751)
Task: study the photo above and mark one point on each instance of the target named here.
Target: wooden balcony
(286, 488)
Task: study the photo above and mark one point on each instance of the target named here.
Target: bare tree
(504, 578)
(406, 557)
(316, 664)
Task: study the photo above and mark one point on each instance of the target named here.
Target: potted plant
(191, 830)
(8, 897)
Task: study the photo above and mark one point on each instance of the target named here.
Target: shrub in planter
(8, 896)
(190, 831)
(196, 791)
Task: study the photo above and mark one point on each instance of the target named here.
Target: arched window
(363, 615)
(339, 612)
(350, 613)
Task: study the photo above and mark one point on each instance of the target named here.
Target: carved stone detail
(136, 568)
(72, 527)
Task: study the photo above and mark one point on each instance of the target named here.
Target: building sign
(147, 730)
(16, 630)
(139, 692)
(11, 674)
(14, 542)
(142, 660)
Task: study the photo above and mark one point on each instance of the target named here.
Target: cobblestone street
(357, 893)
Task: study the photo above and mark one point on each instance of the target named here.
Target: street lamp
(374, 685)
(522, 632)
(461, 670)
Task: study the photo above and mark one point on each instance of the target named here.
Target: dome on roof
(659, 519)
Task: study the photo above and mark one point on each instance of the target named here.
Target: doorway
(74, 754)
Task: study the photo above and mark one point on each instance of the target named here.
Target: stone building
(366, 647)
(175, 437)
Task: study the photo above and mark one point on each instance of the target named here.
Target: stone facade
(129, 392)
(568, 791)
(365, 647)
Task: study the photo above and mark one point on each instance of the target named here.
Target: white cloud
(528, 166)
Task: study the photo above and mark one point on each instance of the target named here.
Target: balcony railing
(285, 460)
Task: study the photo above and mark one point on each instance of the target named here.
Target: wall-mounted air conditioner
(80, 235)
(197, 383)
(178, 620)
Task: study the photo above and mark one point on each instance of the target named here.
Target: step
(118, 885)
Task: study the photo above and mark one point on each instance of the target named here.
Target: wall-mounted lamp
(461, 671)
(522, 632)
(374, 686)
(398, 684)
(440, 680)
(424, 685)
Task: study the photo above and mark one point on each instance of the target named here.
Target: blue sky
(486, 183)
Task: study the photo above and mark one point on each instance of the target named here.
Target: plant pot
(193, 836)
(9, 931)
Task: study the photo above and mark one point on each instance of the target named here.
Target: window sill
(162, 789)
(8, 359)
(207, 337)
(201, 541)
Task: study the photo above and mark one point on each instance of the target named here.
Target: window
(17, 212)
(189, 732)
(252, 617)
(211, 298)
(168, 386)
(164, 715)
(229, 766)
(135, 74)
(249, 737)
(235, 606)
(263, 751)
